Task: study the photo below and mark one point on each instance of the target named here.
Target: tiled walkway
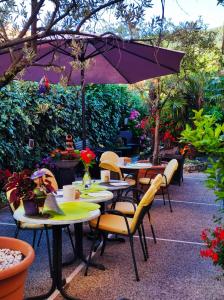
(174, 269)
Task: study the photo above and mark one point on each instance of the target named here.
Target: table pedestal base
(57, 281)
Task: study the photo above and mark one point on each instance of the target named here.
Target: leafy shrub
(48, 118)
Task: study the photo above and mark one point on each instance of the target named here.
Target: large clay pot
(12, 280)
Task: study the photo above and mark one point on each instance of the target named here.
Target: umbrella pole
(83, 109)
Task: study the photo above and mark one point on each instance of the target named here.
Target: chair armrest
(165, 179)
(138, 191)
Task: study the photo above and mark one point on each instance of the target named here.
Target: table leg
(57, 261)
(57, 281)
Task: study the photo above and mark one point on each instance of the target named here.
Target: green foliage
(214, 95)
(48, 118)
(208, 136)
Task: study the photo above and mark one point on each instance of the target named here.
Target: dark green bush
(48, 118)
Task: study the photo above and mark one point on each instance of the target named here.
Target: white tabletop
(112, 185)
(136, 166)
(20, 216)
(97, 197)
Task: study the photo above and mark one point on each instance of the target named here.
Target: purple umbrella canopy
(110, 60)
(99, 60)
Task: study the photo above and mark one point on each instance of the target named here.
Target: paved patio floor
(174, 269)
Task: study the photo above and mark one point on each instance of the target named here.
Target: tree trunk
(155, 157)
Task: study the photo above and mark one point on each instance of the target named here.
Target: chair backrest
(170, 170)
(143, 206)
(51, 178)
(108, 165)
(110, 156)
(157, 181)
(11, 204)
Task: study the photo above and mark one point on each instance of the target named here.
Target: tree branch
(48, 27)
(67, 11)
(31, 18)
(93, 12)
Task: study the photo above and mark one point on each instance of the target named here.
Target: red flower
(143, 123)
(204, 236)
(87, 156)
(215, 257)
(221, 235)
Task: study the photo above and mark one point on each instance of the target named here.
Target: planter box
(66, 164)
(65, 171)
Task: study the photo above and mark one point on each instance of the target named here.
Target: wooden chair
(115, 222)
(50, 177)
(167, 177)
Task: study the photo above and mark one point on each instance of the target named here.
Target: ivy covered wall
(48, 118)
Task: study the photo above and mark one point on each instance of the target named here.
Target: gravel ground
(174, 269)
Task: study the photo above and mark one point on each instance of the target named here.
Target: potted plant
(12, 279)
(4, 175)
(65, 158)
(31, 189)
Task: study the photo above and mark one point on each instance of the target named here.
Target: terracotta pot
(12, 280)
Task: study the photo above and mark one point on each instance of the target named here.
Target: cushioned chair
(109, 156)
(108, 165)
(167, 177)
(115, 222)
(50, 176)
(127, 208)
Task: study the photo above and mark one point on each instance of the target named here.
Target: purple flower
(37, 174)
(134, 114)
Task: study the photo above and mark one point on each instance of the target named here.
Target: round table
(102, 196)
(57, 281)
(134, 168)
(112, 185)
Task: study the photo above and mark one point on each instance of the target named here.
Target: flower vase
(86, 180)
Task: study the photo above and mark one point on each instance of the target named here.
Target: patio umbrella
(99, 60)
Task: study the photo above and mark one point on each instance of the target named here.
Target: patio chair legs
(163, 196)
(16, 232)
(142, 245)
(91, 251)
(152, 229)
(168, 195)
(133, 257)
(48, 250)
(34, 238)
(70, 237)
(104, 244)
(40, 236)
(145, 242)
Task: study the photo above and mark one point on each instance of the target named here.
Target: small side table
(57, 281)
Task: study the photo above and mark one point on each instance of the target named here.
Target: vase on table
(86, 180)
